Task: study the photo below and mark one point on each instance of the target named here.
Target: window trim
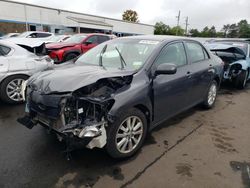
(203, 50)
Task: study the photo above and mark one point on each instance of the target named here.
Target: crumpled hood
(225, 48)
(59, 45)
(71, 77)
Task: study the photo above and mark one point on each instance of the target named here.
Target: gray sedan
(17, 64)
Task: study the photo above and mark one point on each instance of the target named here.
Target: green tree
(243, 29)
(194, 33)
(130, 16)
(177, 30)
(225, 29)
(233, 31)
(161, 28)
(212, 32)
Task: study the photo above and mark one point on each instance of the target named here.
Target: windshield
(241, 45)
(56, 38)
(126, 53)
(75, 39)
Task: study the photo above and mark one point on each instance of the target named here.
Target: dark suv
(118, 91)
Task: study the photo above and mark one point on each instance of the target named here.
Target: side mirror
(166, 68)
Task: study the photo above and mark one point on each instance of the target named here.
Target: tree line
(236, 30)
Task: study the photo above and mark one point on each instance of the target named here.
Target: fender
(243, 63)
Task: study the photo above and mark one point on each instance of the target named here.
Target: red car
(75, 46)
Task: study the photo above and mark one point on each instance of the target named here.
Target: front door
(91, 42)
(170, 91)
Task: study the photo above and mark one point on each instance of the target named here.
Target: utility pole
(187, 24)
(178, 22)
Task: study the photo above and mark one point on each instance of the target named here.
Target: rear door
(4, 63)
(171, 91)
(201, 71)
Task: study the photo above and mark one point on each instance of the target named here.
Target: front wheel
(127, 134)
(70, 57)
(211, 95)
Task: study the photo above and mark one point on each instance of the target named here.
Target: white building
(16, 16)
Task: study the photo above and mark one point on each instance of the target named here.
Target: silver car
(18, 61)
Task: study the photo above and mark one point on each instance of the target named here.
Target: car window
(173, 53)
(43, 35)
(92, 40)
(195, 52)
(4, 50)
(102, 39)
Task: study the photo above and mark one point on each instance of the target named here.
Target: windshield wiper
(102, 52)
(121, 58)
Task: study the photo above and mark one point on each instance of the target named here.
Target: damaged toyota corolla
(120, 90)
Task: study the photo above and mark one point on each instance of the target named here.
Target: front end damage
(78, 117)
(233, 57)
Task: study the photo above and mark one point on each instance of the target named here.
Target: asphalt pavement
(198, 148)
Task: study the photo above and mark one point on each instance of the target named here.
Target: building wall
(19, 12)
(7, 27)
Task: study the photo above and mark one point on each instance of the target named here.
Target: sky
(201, 13)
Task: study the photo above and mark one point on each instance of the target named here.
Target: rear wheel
(241, 80)
(211, 95)
(10, 89)
(127, 134)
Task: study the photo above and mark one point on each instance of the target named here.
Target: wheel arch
(77, 52)
(145, 111)
(18, 74)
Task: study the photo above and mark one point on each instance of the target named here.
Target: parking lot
(195, 149)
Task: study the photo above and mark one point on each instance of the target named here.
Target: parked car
(36, 34)
(236, 56)
(75, 46)
(10, 35)
(17, 64)
(114, 94)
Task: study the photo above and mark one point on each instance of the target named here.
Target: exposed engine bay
(231, 68)
(82, 115)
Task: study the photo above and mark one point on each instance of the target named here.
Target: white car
(18, 61)
(36, 34)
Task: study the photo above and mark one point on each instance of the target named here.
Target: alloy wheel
(13, 90)
(212, 94)
(129, 134)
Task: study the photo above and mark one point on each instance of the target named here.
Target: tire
(211, 95)
(120, 127)
(70, 57)
(241, 80)
(11, 86)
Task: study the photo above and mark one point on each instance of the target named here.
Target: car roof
(161, 38)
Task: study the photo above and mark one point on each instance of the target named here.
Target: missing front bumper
(93, 136)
